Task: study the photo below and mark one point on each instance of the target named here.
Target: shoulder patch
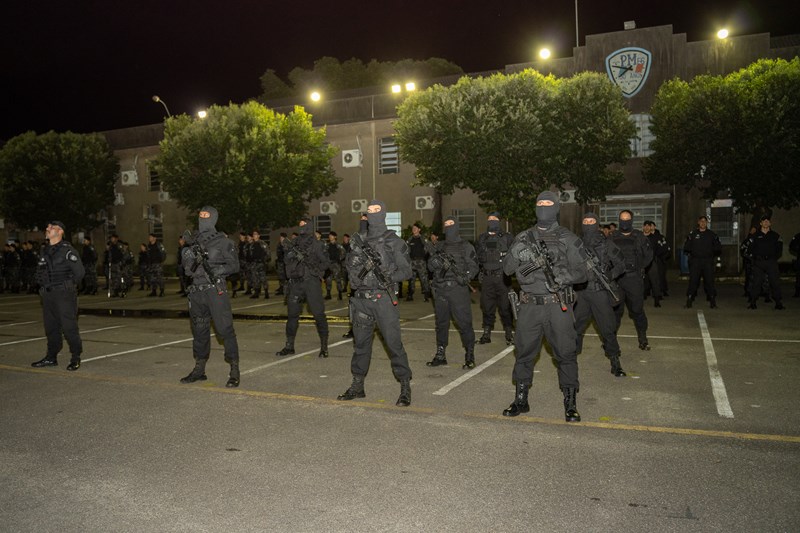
(72, 256)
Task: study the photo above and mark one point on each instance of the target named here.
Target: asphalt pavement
(702, 435)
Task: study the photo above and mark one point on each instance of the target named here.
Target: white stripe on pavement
(18, 324)
(717, 385)
(40, 338)
(474, 372)
(286, 359)
(135, 350)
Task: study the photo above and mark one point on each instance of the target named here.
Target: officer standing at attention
(336, 255)
(546, 300)
(765, 249)
(638, 254)
(417, 244)
(208, 259)
(378, 259)
(58, 273)
(306, 261)
(595, 301)
(703, 247)
(453, 263)
(89, 261)
(492, 247)
(259, 257)
(156, 255)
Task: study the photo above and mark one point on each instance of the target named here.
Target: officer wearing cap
(58, 274)
(765, 249)
(702, 246)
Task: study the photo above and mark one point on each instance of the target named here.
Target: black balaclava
(451, 232)
(210, 223)
(625, 226)
(493, 226)
(308, 228)
(590, 231)
(377, 221)
(547, 215)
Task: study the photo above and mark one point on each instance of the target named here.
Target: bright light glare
(544, 53)
(315, 96)
(411, 86)
(202, 113)
(396, 88)
(722, 34)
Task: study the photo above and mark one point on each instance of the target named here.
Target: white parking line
(717, 386)
(334, 310)
(474, 372)
(286, 359)
(18, 324)
(257, 305)
(135, 350)
(40, 338)
(427, 316)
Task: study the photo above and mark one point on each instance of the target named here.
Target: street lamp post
(162, 102)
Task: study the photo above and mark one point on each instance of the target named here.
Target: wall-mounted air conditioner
(424, 202)
(163, 196)
(359, 206)
(351, 158)
(129, 177)
(328, 208)
(119, 198)
(568, 196)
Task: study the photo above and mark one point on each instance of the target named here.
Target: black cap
(59, 224)
(649, 223)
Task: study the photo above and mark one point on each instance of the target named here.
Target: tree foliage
(736, 136)
(257, 167)
(329, 74)
(509, 137)
(57, 176)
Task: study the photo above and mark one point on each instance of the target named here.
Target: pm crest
(628, 68)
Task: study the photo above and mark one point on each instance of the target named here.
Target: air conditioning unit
(163, 196)
(567, 197)
(359, 206)
(328, 208)
(351, 158)
(424, 202)
(119, 198)
(129, 177)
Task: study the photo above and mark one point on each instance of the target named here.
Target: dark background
(94, 65)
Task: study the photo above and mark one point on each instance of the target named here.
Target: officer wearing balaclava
(208, 293)
(638, 254)
(305, 262)
(377, 261)
(594, 300)
(492, 247)
(547, 260)
(453, 263)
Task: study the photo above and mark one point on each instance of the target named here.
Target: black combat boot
(439, 359)
(570, 409)
(426, 296)
(520, 403)
(152, 293)
(74, 363)
(288, 349)
(657, 301)
(779, 306)
(644, 346)
(255, 294)
(509, 336)
(752, 305)
(469, 358)
(349, 334)
(328, 295)
(486, 338)
(616, 367)
(356, 389)
(198, 373)
(323, 346)
(689, 300)
(266, 294)
(405, 394)
(233, 379)
(248, 292)
(46, 361)
(713, 302)
(340, 296)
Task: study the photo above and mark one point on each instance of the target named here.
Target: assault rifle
(449, 263)
(373, 264)
(543, 260)
(201, 258)
(593, 264)
(292, 248)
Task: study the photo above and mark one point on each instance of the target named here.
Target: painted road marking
(135, 350)
(717, 385)
(18, 324)
(474, 372)
(296, 356)
(41, 338)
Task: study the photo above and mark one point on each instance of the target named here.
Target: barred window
(155, 181)
(640, 143)
(394, 222)
(157, 229)
(722, 221)
(322, 223)
(641, 211)
(466, 223)
(389, 156)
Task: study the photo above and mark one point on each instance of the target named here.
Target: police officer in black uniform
(89, 261)
(374, 303)
(794, 249)
(417, 244)
(594, 300)
(58, 273)
(208, 260)
(546, 304)
(703, 247)
(638, 254)
(453, 264)
(306, 261)
(492, 247)
(765, 249)
(655, 275)
(156, 255)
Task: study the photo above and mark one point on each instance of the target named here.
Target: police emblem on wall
(628, 69)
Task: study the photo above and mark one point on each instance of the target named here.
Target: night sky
(94, 65)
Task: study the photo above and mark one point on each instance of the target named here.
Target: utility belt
(200, 287)
(60, 286)
(564, 296)
(371, 294)
(447, 283)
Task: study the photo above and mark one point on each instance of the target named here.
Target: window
(157, 229)
(322, 223)
(151, 212)
(390, 156)
(466, 223)
(155, 181)
(722, 221)
(640, 144)
(394, 222)
(111, 225)
(641, 211)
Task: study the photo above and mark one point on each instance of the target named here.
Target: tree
(508, 137)
(736, 136)
(57, 176)
(257, 167)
